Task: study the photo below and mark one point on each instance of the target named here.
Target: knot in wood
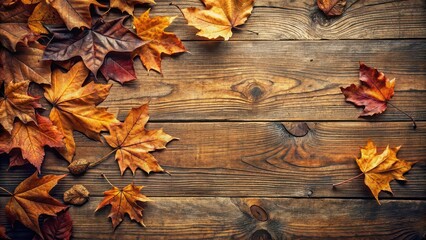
(253, 90)
(318, 17)
(259, 213)
(261, 234)
(297, 129)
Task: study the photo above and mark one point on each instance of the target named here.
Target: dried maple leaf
(43, 13)
(31, 199)
(31, 138)
(13, 26)
(92, 44)
(380, 169)
(55, 228)
(373, 93)
(122, 201)
(128, 5)
(118, 67)
(24, 65)
(132, 142)
(219, 17)
(332, 7)
(75, 13)
(16, 103)
(152, 30)
(3, 234)
(74, 106)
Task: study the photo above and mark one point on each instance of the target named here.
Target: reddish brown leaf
(16, 103)
(13, 25)
(160, 42)
(24, 65)
(219, 17)
(118, 67)
(332, 7)
(74, 106)
(373, 93)
(57, 228)
(133, 142)
(31, 199)
(91, 44)
(31, 139)
(3, 234)
(122, 201)
(16, 159)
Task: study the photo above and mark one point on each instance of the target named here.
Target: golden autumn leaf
(16, 103)
(219, 17)
(31, 199)
(128, 5)
(152, 30)
(74, 106)
(43, 14)
(381, 169)
(132, 142)
(31, 138)
(122, 201)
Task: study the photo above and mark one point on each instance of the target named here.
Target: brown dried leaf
(128, 5)
(332, 7)
(76, 195)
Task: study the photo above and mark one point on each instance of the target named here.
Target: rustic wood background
(241, 169)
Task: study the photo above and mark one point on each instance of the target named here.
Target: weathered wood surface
(253, 159)
(301, 19)
(252, 218)
(275, 81)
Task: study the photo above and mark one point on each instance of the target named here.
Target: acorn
(79, 166)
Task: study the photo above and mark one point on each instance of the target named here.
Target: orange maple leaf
(332, 7)
(373, 93)
(31, 199)
(380, 169)
(219, 17)
(16, 103)
(132, 142)
(74, 106)
(152, 30)
(122, 201)
(31, 138)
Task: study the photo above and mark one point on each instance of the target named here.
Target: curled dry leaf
(122, 201)
(373, 93)
(13, 25)
(57, 228)
(93, 44)
(16, 103)
(219, 17)
(76, 195)
(152, 30)
(332, 7)
(78, 167)
(133, 142)
(31, 138)
(31, 199)
(24, 65)
(74, 106)
(128, 5)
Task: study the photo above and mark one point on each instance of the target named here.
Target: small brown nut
(77, 195)
(78, 167)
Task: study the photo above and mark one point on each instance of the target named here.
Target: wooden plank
(301, 20)
(236, 218)
(277, 81)
(252, 159)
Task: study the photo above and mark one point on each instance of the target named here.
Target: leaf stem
(172, 4)
(104, 176)
(242, 29)
(348, 180)
(103, 158)
(4, 189)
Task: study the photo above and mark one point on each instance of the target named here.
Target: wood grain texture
(277, 81)
(252, 159)
(252, 218)
(301, 20)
